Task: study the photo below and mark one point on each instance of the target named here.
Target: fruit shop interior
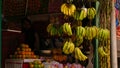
(68, 32)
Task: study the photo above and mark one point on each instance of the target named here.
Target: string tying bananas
(80, 14)
(68, 9)
(79, 55)
(68, 47)
(91, 12)
(67, 29)
(103, 35)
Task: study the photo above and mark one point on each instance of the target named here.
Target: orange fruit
(26, 46)
(23, 53)
(23, 49)
(29, 49)
(18, 49)
(34, 56)
(19, 56)
(23, 56)
(29, 53)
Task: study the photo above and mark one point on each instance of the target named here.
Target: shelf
(42, 17)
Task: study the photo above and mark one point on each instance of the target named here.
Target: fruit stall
(71, 33)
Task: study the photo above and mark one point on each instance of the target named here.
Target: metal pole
(26, 8)
(96, 63)
(113, 39)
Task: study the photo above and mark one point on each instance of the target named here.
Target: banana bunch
(80, 14)
(79, 55)
(67, 29)
(95, 30)
(101, 51)
(103, 34)
(91, 32)
(51, 29)
(80, 31)
(68, 9)
(91, 12)
(78, 41)
(68, 47)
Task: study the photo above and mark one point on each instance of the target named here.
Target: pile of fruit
(23, 52)
(36, 64)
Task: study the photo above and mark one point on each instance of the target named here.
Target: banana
(78, 41)
(89, 33)
(60, 31)
(72, 47)
(68, 47)
(49, 27)
(67, 29)
(80, 31)
(102, 52)
(81, 15)
(68, 9)
(91, 13)
(79, 55)
(103, 34)
(62, 7)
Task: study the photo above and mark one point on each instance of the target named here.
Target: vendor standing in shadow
(30, 35)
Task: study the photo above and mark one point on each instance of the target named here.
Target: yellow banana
(79, 54)
(66, 47)
(101, 51)
(68, 9)
(72, 46)
(91, 13)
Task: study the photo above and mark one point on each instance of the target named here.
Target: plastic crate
(18, 63)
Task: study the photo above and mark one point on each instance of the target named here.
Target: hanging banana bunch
(80, 14)
(91, 12)
(67, 28)
(79, 55)
(68, 47)
(68, 9)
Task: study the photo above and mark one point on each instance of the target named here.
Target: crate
(18, 63)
